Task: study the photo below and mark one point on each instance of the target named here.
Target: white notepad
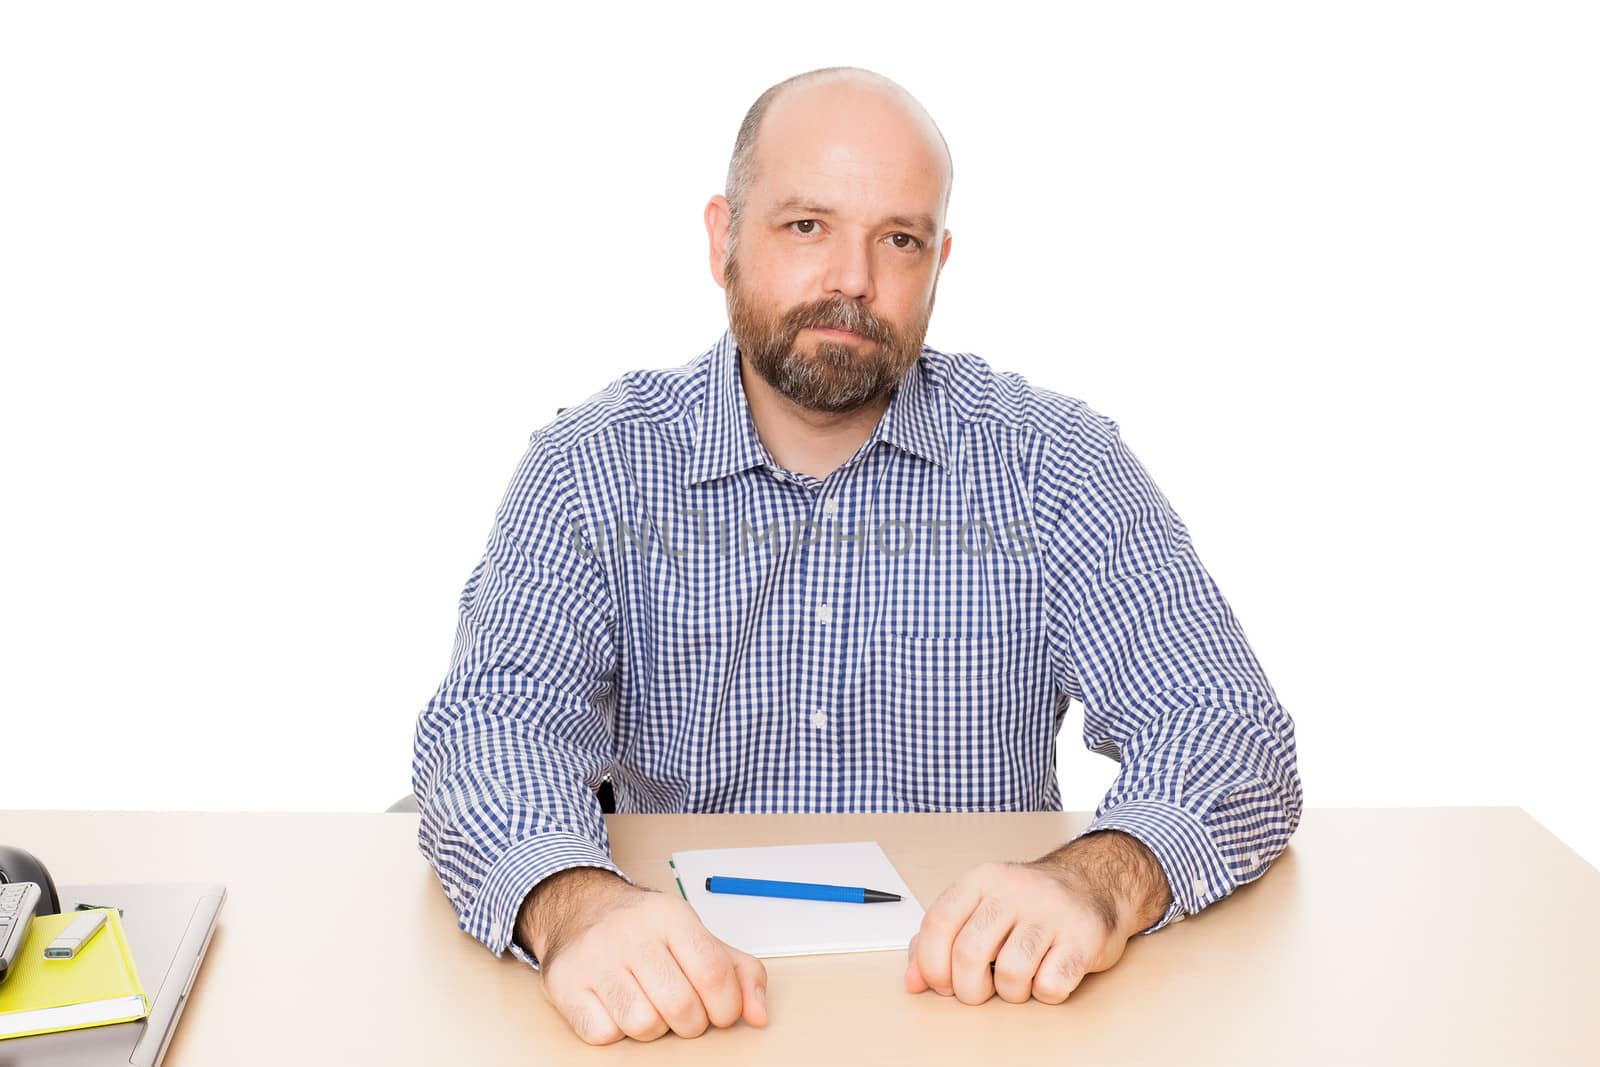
(772, 926)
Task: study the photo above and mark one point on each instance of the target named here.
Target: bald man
(824, 567)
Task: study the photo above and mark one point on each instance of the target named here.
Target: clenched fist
(622, 960)
(1036, 929)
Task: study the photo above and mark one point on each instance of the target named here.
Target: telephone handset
(26, 890)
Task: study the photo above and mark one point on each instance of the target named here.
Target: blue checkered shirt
(661, 603)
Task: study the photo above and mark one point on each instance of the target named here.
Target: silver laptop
(169, 926)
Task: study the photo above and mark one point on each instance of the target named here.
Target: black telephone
(19, 866)
(19, 903)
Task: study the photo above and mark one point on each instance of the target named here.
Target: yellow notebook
(98, 986)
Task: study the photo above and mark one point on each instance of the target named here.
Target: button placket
(828, 578)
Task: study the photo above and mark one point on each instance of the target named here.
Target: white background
(284, 288)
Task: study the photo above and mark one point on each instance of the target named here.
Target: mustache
(835, 316)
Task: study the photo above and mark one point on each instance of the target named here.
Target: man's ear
(944, 253)
(718, 217)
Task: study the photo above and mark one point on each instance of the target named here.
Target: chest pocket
(968, 721)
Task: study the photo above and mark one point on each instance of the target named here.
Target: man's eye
(916, 243)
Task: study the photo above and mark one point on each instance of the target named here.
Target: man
(823, 567)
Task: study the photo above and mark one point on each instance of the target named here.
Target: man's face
(841, 230)
(825, 371)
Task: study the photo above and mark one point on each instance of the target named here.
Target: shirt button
(819, 719)
(1200, 887)
(1255, 859)
(494, 931)
(824, 613)
(830, 507)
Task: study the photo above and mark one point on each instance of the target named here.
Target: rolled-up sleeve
(1142, 637)
(509, 750)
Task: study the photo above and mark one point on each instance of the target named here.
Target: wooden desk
(1431, 935)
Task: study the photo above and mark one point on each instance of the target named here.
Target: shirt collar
(915, 419)
(725, 440)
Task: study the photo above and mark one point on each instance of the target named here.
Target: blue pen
(760, 887)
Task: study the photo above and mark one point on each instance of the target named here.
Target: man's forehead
(827, 145)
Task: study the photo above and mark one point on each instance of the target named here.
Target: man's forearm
(1118, 874)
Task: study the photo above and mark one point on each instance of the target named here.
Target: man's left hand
(1042, 928)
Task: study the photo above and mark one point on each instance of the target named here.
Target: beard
(836, 377)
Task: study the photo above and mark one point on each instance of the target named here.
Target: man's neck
(805, 441)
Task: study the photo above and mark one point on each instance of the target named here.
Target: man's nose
(849, 270)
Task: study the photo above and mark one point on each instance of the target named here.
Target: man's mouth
(834, 332)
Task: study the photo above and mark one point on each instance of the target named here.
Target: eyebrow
(924, 223)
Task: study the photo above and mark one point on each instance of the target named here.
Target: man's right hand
(618, 959)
